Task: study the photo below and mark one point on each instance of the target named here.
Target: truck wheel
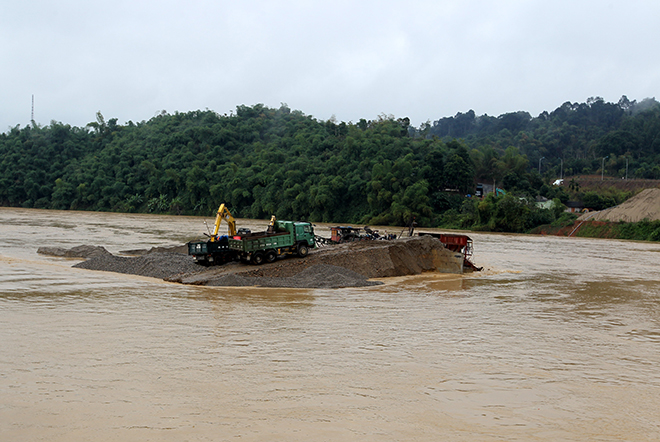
(258, 258)
(303, 250)
(271, 256)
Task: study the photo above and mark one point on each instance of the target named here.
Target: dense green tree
(263, 161)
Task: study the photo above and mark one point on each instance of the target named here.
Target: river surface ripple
(558, 339)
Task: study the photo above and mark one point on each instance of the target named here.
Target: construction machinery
(281, 238)
(341, 234)
(216, 249)
(457, 243)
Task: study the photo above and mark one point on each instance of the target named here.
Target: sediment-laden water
(558, 339)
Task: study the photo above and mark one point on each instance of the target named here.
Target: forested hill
(577, 133)
(263, 161)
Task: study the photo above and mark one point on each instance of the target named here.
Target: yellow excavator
(216, 249)
(223, 213)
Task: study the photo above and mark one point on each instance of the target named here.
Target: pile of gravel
(74, 252)
(344, 265)
(316, 276)
(154, 265)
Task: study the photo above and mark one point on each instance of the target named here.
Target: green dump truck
(281, 238)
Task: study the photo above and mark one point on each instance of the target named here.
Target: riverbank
(639, 231)
(637, 218)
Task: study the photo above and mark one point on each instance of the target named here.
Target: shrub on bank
(642, 231)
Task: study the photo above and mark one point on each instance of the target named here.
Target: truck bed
(261, 241)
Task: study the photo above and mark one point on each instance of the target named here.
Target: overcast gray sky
(131, 59)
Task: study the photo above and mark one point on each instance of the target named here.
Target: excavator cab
(223, 213)
(216, 249)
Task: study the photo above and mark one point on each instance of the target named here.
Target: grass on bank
(644, 230)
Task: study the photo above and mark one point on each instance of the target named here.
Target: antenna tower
(32, 116)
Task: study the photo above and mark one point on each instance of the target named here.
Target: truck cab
(304, 232)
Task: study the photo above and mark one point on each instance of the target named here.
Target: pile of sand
(368, 259)
(344, 265)
(316, 276)
(645, 205)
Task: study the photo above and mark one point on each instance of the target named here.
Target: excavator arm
(271, 225)
(223, 213)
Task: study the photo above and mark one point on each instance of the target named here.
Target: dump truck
(341, 234)
(216, 249)
(282, 238)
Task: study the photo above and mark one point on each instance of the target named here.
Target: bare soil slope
(645, 205)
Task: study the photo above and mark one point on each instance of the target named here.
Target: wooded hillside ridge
(262, 161)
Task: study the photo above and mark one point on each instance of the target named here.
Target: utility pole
(541, 159)
(561, 168)
(602, 167)
(626, 168)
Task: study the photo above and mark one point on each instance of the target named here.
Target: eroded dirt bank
(345, 265)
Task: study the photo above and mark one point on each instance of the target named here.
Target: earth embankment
(344, 265)
(644, 205)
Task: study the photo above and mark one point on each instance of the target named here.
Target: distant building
(575, 207)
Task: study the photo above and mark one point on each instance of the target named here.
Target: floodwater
(557, 340)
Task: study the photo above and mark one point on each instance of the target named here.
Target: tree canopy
(262, 161)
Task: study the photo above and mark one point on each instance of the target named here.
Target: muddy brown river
(557, 340)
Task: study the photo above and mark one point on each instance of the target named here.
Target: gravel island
(344, 265)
